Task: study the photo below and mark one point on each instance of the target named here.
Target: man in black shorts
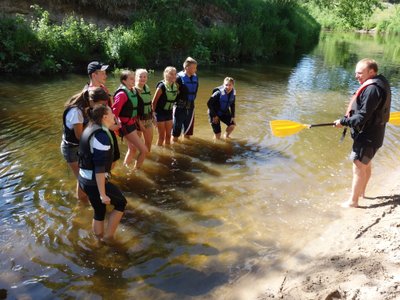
(367, 115)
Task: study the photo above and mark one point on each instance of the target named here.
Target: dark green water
(200, 216)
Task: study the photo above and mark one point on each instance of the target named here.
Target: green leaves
(162, 32)
(352, 13)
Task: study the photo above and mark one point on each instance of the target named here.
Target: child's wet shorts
(70, 152)
(127, 129)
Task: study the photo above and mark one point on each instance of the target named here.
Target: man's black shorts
(362, 153)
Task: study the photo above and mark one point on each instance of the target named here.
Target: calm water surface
(200, 215)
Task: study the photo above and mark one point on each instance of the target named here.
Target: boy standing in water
(183, 115)
(97, 75)
(97, 78)
(221, 107)
(367, 115)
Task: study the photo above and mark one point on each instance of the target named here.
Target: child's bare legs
(113, 222)
(98, 228)
(129, 154)
(80, 194)
(229, 130)
(164, 133)
(217, 136)
(137, 143)
(148, 137)
(161, 133)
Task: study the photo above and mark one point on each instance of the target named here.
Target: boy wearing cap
(97, 78)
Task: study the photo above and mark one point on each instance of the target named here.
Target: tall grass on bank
(165, 34)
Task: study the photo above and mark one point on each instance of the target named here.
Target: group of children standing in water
(93, 118)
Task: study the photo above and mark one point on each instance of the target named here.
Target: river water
(200, 215)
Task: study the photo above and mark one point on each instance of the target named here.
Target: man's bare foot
(348, 204)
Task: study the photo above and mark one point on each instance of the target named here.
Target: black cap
(94, 66)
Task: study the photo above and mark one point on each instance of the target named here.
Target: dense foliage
(160, 32)
(339, 15)
(352, 13)
(391, 26)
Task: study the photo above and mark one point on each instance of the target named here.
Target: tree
(352, 12)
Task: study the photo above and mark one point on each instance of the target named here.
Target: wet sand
(357, 257)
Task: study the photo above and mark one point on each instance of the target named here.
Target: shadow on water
(166, 194)
(230, 152)
(182, 280)
(175, 161)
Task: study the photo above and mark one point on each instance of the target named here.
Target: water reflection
(200, 214)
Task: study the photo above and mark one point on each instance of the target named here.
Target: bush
(74, 42)
(391, 26)
(20, 47)
(222, 42)
(162, 33)
(122, 48)
(202, 54)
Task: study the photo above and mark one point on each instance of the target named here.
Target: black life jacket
(69, 134)
(85, 154)
(383, 111)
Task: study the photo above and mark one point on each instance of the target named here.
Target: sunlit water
(200, 215)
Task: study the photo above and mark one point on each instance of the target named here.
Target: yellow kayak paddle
(394, 118)
(282, 128)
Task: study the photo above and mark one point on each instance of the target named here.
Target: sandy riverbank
(357, 257)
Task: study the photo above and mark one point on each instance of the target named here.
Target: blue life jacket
(225, 100)
(191, 83)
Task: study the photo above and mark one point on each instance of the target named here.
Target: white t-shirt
(74, 116)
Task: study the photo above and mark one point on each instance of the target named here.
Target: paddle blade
(282, 128)
(395, 118)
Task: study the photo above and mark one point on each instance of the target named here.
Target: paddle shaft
(322, 124)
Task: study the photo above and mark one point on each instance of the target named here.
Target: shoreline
(356, 257)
